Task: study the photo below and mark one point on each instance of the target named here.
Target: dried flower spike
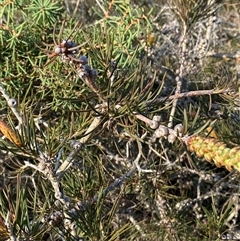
(9, 133)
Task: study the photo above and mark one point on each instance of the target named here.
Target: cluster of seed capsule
(66, 47)
(164, 131)
(68, 50)
(85, 70)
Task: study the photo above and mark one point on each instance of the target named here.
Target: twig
(189, 94)
(69, 160)
(182, 72)
(224, 55)
(77, 147)
(117, 183)
(90, 129)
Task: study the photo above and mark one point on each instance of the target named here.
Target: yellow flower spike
(192, 140)
(232, 152)
(230, 163)
(206, 148)
(217, 145)
(235, 151)
(225, 153)
(200, 152)
(9, 133)
(191, 143)
(196, 140)
(208, 157)
(210, 144)
(218, 161)
(191, 148)
(199, 140)
(214, 150)
(208, 140)
(229, 167)
(238, 157)
(237, 166)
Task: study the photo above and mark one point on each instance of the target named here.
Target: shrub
(113, 116)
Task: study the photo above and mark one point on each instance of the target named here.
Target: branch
(189, 94)
(77, 147)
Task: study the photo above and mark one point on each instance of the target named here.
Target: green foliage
(189, 12)
(138, 55)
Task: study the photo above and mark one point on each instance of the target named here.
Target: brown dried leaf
(9, 133)
(4, 234)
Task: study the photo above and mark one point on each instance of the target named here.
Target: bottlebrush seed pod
(153, 124)
(9, 133)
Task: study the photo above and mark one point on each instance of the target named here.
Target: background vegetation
(132, 135)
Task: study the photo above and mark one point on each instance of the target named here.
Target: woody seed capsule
(153, 124)
(12, 102)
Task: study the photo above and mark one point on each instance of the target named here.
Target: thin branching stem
(190, 94)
